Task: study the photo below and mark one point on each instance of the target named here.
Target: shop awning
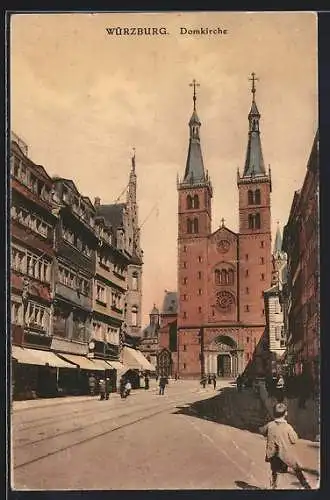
(81, 361)
(41, 358)
(135, 360)
(117, 365)
(101, 364)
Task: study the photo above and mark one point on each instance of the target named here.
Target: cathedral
(222, 274)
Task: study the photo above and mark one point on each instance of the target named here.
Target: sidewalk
(304, 420)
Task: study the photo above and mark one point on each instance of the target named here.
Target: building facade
(222, 274)
(301, 243)
(123, 217)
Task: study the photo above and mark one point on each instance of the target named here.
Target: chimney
(97, 202)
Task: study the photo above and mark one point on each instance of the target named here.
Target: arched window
(230, 277)
(217, 277)
(257, 221)
(135, 281)
(134, 316)
(195, 226)
(250, 197)
(257, 197)
(196, 201)
(189, 226)
(189, 201)
(251, 221)
(223, 279)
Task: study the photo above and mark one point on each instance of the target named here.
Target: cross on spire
(194, 84)
(253, 80)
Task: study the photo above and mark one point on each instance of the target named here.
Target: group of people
(210, 379)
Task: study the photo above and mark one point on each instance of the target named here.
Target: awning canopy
(135, 360)
(40, 358)
(101, 364)
(117, 365)
(81, 361)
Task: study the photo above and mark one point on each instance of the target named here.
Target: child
(280, 453)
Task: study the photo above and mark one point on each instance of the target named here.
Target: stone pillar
(214, 363)
(69, 325)
(240, 361)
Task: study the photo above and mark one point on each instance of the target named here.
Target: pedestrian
(92, 385)
(102, 389)
(280, 452)
(162, 384)
(239, 382)
(107, 388)
(214, 379)
(128, 388)
(280, 389)
(122, 387)
(203, 381)
(176, 376)
(146, 382)
(209, 379)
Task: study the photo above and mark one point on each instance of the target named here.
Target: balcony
(73, 296)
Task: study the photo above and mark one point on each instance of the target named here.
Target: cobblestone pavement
(190, 438)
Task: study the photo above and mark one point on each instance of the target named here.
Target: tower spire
(133, 161)
(278, 241)
(194, 172)
(254, 162)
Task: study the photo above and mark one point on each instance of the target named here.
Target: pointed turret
(254, 162)
(131, 193)
(194, 172)
(278, 241)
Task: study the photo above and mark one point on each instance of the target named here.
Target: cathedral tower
(254, 227)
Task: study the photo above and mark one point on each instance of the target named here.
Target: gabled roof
(223, 229)
(113, 213)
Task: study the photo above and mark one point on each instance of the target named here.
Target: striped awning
(40, 358)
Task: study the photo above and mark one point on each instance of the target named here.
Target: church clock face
(223, 246)
(225, 301)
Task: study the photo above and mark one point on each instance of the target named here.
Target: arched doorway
(223, 357)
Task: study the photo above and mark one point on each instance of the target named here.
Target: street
(190, 438)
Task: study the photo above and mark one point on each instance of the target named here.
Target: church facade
(222, 274)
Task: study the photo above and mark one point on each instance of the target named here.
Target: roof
(170, 304)
(113, 213)
(254, 161)
(194, 172)
(154, 310)
(194, 119)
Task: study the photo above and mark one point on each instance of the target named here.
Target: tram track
(40, 455)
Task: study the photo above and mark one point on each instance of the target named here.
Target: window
(31, 221)
(189, 202)
(184, 297)
(100, 293)
(135, 281)
(18, 260)
(134, 316)
(195, 227)
(199, 309)
(246, 273)
(66, 276)
(199, 275)
(262, 260)
(257, 198)
(97, 330)
(184, 265)
(247, 340)
(261, 244)
(184, 315)
(213, 312)
(184, 347)
(277, 332)
(257, 221)
(37, 316)
(247, 290)
(82, 285)
(251, 221)
(199, 259)
(246, 256)
(196, 201)
(246, 308)
(184, 281)
(250, 197)
(189, 226)
(199, 291)
(16, 313)
(184, 366)
(263, 312)
(262, 276)
(31, 264)
(282, 343)
(185, 249)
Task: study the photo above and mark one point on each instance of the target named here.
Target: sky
(82, 100)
